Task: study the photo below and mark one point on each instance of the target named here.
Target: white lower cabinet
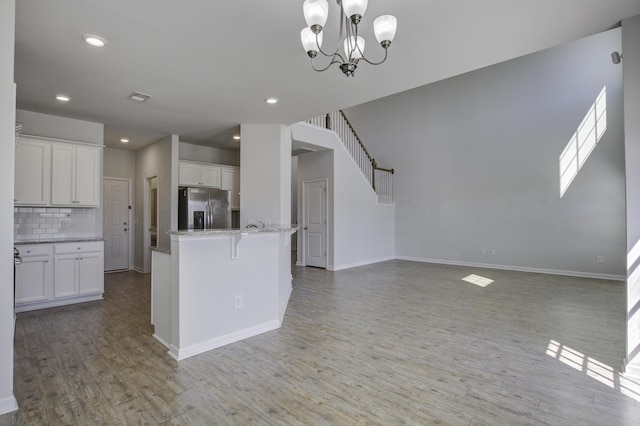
(33, 275)
(59, 274)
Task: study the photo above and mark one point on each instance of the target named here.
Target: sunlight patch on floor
(477, 280)
(594, 369)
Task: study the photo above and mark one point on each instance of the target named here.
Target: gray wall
(119, 163)
(476, 160)
(53, 126)
(207, 154)
(155, 160)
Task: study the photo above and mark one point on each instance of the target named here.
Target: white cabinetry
(53, 173)
(32, 172)
(199, 174)
(231, 181)
(75, 175)
(33, 275)
(59, 274)
(78, 268)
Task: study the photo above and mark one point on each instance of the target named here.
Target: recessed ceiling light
(95, 40)
(124, 140)
(63, 98)
(139, 97)
(236, 137)
(272, 100)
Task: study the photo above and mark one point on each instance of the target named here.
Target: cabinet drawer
(64, 248)
(34, 249)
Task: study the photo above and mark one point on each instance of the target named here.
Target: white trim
(361, 263)
(130, 217)
(23, 135)
(8, 404)
(58, 302)
(517, 268)
(198, 348)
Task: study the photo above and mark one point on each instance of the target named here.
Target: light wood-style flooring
(392, 343)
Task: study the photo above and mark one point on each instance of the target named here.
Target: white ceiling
(209, 65)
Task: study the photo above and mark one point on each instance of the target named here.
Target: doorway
(150, 221)
(117, 224)
(314, 223)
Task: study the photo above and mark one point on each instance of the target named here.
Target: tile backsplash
(49, 223)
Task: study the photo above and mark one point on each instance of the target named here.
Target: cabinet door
(88, 176)
(32, 172)
(63, 175)
(65, 278)
(91, 273)
(210, 176)
(32, 279)
(231, 181)
(189, 174)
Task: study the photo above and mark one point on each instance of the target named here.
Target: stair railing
(380, 179)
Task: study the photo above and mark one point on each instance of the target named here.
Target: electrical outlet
(64, 223)
(483, 250)
(492, 252)
(238, 301)
(599, 259)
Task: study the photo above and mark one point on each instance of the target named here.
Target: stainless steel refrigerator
(203, 208)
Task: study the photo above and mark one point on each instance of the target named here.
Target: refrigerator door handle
(207, 218)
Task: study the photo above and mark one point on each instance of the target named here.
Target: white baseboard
(58, 302)
(517, 268)
(182, 353)
(138, 269)
(361, 263)
(159, 339)
(8, 404)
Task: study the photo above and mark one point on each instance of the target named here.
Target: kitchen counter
(234, 231)
(219, 286)
(58, 240)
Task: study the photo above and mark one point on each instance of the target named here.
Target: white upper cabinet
(231, 182)
(198, 174)
(32, 172)
(53, 173)
(75, 175)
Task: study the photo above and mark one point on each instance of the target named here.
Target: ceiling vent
(139, 97)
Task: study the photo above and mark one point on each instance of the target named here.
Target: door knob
(125, 229)
(305, 228)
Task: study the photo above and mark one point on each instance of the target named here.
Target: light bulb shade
(315, 12)
(351, 50)
(308, 39)
(354, 7)
(385, 28)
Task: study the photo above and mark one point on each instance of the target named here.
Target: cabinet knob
(125, 229)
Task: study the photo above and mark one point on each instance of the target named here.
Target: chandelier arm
(327, 67)
(376, 63)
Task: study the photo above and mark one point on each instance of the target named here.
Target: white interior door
(315, 223)
(116, 224)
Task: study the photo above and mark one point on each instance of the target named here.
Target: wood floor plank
(392, 343)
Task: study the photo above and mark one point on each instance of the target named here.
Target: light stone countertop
(58, 240)
(235, 231)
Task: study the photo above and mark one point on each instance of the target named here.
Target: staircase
(380, 179)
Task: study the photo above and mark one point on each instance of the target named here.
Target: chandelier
(351, 12)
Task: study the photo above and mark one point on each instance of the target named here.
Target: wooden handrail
(358, 138)
(392, 171)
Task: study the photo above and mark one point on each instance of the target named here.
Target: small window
(583, 141)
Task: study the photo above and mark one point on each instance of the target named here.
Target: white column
(7, 152)
(631, 81)
(265, 173)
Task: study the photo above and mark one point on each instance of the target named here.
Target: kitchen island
(215, 287)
